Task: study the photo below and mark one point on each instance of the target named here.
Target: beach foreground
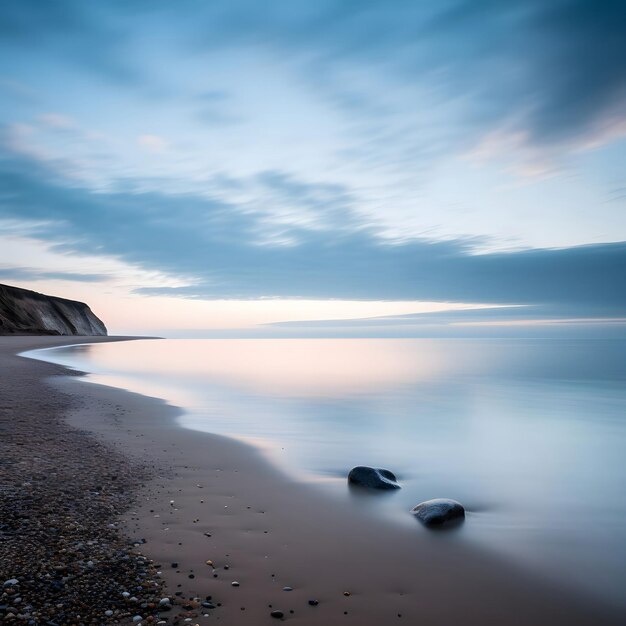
(208, 512)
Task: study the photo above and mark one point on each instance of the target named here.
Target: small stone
(137, 618)
(439, 512)
(164, 601)
(11, 582)
(234, 583)
(372, 478)
(108, 613)
(277, 614)
(287, 588)
(346, 593)
(313, 602)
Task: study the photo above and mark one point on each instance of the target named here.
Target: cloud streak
(554, 69)
(329, 149)
(30, 274)
(222, 246)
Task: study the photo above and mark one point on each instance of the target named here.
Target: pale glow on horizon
(289, 368)
(124, 312)
(144, 314)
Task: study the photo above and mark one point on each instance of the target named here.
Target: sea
(528, 434)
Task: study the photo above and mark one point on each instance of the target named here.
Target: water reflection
(529, 435)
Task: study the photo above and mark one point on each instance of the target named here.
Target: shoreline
(273, 533)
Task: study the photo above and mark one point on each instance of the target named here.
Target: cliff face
(24, 312)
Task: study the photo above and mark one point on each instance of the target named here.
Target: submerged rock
(372, 478)
(438, 512)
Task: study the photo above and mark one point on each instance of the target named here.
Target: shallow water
(529, 435)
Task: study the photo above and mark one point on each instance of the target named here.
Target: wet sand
(62, 558)
(210, 498)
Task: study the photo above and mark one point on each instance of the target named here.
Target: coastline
(272, 532)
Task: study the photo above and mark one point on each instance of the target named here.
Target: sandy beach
(220, 525)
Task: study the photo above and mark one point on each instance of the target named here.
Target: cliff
(24, 312)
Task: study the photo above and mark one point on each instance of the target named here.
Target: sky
(228, 164)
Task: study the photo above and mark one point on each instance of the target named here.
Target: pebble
(439, 512)
(287, 588)
(277, 614)
(313, 602)
(235, 583)
(63, 487)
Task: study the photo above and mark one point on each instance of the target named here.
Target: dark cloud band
(218, 244)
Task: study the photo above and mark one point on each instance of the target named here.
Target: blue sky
(198, 154)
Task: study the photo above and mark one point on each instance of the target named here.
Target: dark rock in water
(373, 478)
(439, 511)
(277, 614)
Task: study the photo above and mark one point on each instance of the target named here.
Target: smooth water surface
(529, 435)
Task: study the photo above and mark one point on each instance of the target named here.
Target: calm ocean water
(530, 435)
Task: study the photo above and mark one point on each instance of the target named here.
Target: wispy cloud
(325, 149)
(32, 274)
(557, 68)
(217, 243)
